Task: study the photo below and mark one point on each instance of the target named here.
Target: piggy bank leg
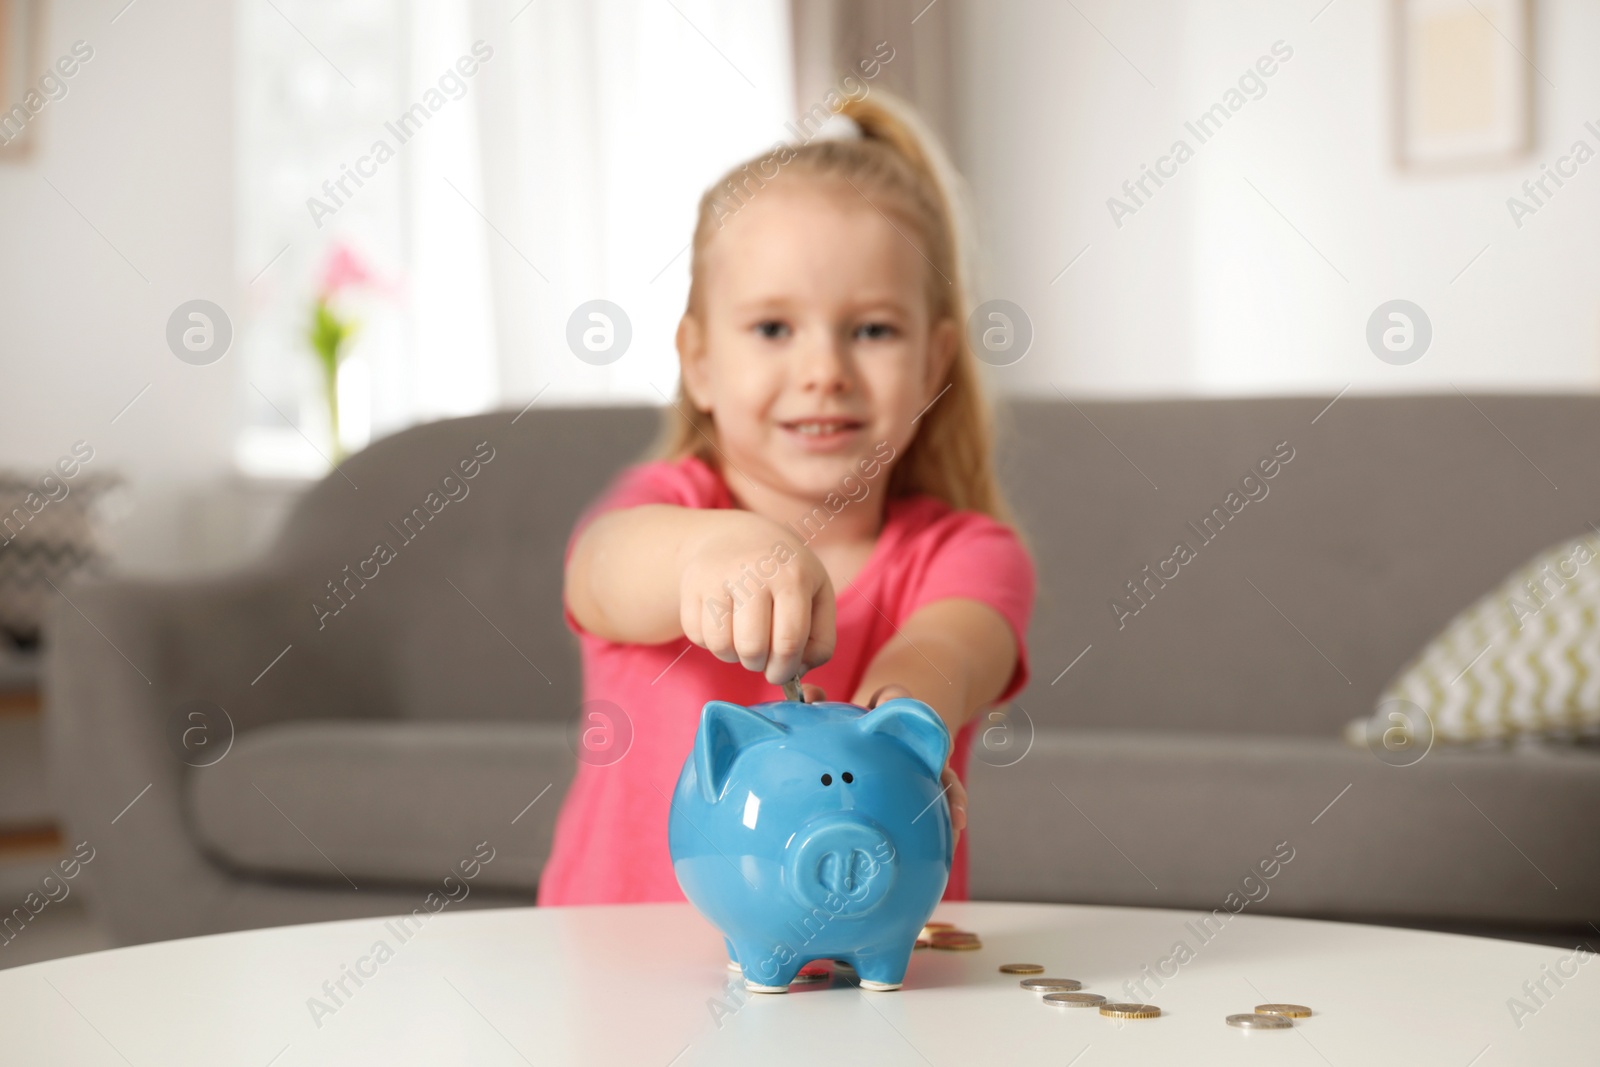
(882, 971)
(733, 957)
(770, 972)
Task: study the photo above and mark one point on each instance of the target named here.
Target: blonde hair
(900, 169)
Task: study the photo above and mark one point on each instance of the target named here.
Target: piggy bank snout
(842, 863)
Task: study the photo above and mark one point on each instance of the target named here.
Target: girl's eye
(772, 329)
(875, 331)
(827, 779)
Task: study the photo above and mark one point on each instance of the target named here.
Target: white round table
(648, 984)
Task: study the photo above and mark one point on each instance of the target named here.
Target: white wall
(142, 146)
(1206, 289)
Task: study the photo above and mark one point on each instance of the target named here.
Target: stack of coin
(1130, 1011)
(1074, 1000)
(940, 934)
(1051, 985)
(1063, 993)
(1269, 1017)
(955, 940)
(1287, 1011)
(815, 971)
(1022, 968)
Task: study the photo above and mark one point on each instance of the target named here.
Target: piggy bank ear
(914, 725)
(725, 731)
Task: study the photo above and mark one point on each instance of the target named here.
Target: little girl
(822, 501)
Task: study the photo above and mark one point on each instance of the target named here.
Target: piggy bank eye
(848, 777)
(827, 779)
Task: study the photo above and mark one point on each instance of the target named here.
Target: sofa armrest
(122, 657)
(247, 641)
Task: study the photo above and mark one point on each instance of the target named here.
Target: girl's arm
(732, 582)
(954, 655)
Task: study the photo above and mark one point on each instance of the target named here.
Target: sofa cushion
(1523, 659)
(402, 802)
(1181, 820)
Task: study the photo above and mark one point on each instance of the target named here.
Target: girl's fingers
(691, 616)
(752, 630)
(716, 627)
(821, 639)
(791, 624)
(888, 692)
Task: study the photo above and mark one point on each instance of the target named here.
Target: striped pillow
(1522, 662)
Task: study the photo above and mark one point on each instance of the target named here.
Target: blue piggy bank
(814, 831)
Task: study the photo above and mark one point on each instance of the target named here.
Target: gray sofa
(1156, 758)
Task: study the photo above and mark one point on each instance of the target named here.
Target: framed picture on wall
(1463, 83)
(21, 29)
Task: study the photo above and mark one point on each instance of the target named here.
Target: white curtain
(320, 85)
(600, 124)
(451, 339)
(565, 168)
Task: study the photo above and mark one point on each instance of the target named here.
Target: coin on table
(1259, 1022)
(939, 926)
(814, 972)
(958, 946)
(1051, 985)
(1022, 968)
(952, 937)
(921, 943)
(1289, 1011)
(1081, 1000)
(1130, 1011)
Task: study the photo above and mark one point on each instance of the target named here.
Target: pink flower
(343, 269)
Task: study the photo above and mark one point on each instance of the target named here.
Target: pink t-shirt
(611, 835)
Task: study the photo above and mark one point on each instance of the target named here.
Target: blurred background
(244, 240)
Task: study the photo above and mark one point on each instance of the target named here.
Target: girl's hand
(955, 792)
(957, 795)
(750, 595)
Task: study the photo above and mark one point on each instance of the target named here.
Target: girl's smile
(823, 434)
(815, 342)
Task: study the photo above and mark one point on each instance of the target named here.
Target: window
(565, 167)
